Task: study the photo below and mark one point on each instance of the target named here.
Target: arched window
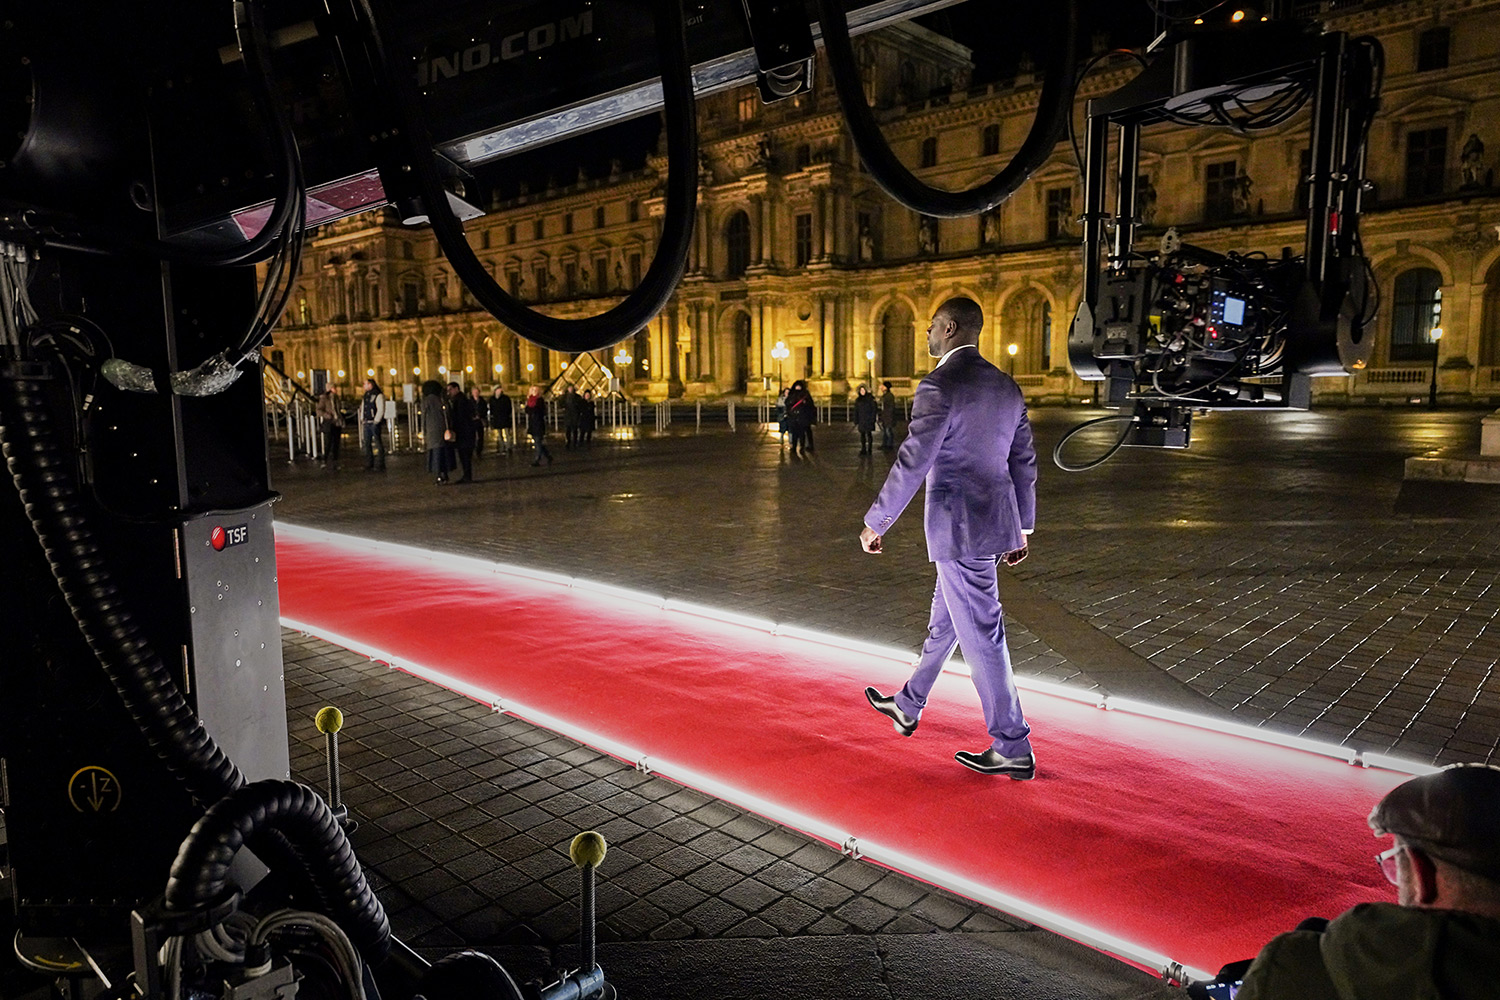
(897, 342)
(413, 358)
(484, 361)
(737, 236)
(434, 359)
(1026, 323)
(1416, 312)
(1489, 335)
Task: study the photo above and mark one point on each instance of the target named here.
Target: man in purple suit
(969, 439)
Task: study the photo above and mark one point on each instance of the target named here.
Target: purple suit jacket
(970, 440)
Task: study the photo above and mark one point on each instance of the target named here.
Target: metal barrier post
(730, 410)
(698, 429)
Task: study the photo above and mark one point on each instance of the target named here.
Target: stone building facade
(796, 248)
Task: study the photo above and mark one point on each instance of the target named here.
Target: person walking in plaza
(887, 418)
(864, 420)
(572, 407)
(480, 407)
(536, 423)
(588, 417)
(465, 427)
(436, 434)
(371, 426)
(970, 442)
(801, 413)
(331, 423)
(500, 419)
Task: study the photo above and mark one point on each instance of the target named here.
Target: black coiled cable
(149, 692)
(1054, 108)
(201, 870)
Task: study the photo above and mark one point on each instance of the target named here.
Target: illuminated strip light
(1042, 917)
(1056, 689)
(839, 642)
(810, 825)
(719, 615)
(623, 593)
(1083, 695)
(1397, 764)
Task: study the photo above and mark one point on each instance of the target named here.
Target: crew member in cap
(1442, 936)
(970, 442)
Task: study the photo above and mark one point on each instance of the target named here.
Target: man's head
(887, 386)
(454, 389)
(1447, 830)
(956, 323)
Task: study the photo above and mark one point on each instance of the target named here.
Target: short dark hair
(965, 313)
(886, 384)
(454, 385)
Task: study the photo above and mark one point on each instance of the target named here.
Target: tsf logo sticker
(221, 538)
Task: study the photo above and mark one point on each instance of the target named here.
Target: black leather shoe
(905, 724)
(992, 762)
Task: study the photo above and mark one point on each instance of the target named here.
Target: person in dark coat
(589, 416)
(572, 407)
(481, 409)
(465, 426)
(331, 423)
(536, 423)
(801, 414)
(500, 419)
(864, 420)
(887, 418)
(435, 429)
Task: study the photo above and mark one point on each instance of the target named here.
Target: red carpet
(1152, 840)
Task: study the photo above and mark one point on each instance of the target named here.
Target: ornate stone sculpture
(927, 236)
(1242, 188)
(1471, 162)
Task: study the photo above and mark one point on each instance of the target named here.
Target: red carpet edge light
(847, 841)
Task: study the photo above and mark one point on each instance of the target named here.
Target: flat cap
(1452, 814)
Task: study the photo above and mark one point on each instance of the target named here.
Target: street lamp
(870, 357)
(622, 358)
(1436, 335)
(780, 352)
(1011, 349)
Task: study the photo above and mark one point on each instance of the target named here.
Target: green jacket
(1381, 951)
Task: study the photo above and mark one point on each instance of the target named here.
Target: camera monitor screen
(1234, 311)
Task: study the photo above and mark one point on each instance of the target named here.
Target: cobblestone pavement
(1279, 569)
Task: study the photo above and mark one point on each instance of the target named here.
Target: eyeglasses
(1387, 862)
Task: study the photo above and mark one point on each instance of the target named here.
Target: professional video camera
(1178, 327)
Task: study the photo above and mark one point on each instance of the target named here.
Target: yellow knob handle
(587, 850)
(329, 720)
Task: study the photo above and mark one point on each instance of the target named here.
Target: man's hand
(1014, 558)
(869, 541)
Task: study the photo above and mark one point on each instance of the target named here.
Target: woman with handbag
(436, 433)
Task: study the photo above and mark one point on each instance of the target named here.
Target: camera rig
(1174, 328)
